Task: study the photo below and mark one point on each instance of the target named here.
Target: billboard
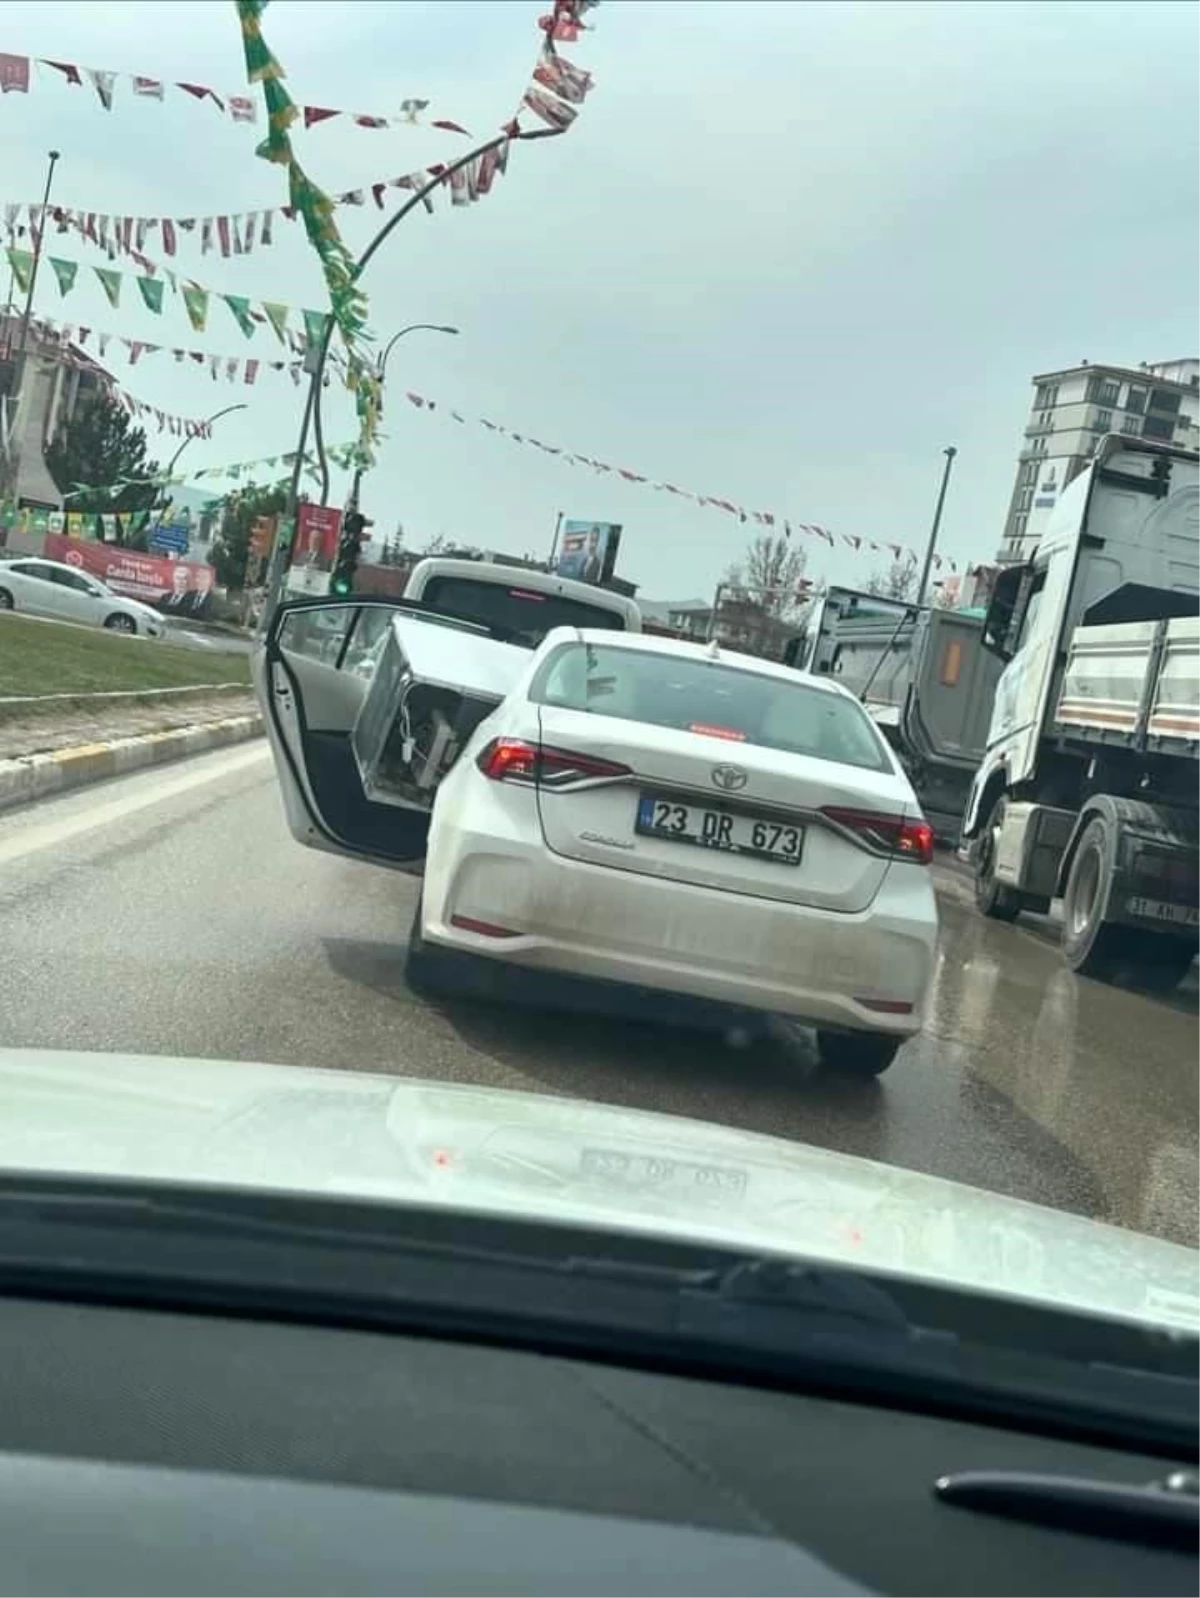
(176, 585)
(587, 551)
(318, 528)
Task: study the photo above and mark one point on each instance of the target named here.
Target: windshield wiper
(1163, 1514)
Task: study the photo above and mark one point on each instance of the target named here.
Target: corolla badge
(729, 778)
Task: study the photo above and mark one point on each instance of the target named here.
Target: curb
(32, 777)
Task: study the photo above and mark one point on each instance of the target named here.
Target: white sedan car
(635, 810)
(52, 589)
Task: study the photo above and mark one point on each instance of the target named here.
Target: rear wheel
(118, 622)
(6, 599)
(1092, 946)
(857, 1053)
(993, 899)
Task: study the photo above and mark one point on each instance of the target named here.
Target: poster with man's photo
(587, 551)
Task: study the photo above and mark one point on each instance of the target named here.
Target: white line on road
(30, 839)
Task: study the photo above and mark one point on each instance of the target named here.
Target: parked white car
(634, 809)
(53, 589)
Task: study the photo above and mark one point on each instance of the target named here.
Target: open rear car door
(311, 676)
(367, 703)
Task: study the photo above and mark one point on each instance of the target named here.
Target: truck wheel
(994, 899)
(857, 1053)
(1093, 947)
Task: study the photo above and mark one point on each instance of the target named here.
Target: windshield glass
(524, 614)
(723, 701)
(745, 892)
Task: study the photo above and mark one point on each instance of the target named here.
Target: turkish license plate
(1175, 915)
(662, 1173)
(720, 829)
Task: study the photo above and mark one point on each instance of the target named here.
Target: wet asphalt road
(171, 913)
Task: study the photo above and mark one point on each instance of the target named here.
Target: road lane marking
(30, 839)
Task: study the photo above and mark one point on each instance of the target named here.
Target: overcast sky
(787, 253)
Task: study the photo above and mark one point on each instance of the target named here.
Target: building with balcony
(1072, 411)
(58, 378)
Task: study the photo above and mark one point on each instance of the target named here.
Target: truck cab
(1077, 738)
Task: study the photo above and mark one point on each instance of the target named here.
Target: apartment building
(1071, 412)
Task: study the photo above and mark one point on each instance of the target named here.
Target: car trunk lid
(696, 807)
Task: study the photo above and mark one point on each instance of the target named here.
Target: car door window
(317, 634)
(72, 580)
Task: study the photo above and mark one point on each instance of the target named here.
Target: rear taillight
(893, 835)
(514, 760)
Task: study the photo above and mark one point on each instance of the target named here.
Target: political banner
(587, 551)
(172, 585)
(318, 528)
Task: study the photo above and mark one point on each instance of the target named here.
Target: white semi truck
(1088, 787)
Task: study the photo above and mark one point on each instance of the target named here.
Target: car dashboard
(145, 1451)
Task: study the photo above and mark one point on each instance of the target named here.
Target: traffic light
(341, 580)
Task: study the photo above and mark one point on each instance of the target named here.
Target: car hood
(485, 1150)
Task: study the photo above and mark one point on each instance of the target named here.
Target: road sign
(172, 536)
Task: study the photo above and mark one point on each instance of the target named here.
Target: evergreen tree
(101, 447)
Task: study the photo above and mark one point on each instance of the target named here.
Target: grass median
(44, 660)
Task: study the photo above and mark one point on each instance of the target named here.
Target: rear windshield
(523, 615)
(712, 698)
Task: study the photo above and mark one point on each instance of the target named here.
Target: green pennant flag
(110, 281)
(65, 272)
(240, 306)
(277, 315)
(196, 301)
(152, 293)
(21, 262)
(315, 323)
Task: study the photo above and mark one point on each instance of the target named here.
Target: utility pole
(558, 521)
(949, 452)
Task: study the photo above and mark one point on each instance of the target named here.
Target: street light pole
(320, 353)
(380, 374)
(949, 452)
(191, 439)
(33, 275)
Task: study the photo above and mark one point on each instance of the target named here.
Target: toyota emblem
(729, 778)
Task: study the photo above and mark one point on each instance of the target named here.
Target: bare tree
(769, 575)
(899, 581)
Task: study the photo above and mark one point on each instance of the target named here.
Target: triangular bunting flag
(314, 326)
(65, 272)
(196, 300)
(111, 283)
(152, 293)
(240, 306)
(21, 262)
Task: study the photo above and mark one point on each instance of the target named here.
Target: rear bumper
(567, 916)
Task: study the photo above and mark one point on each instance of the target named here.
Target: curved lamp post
(380, 373)
(208, 421)
(275, 577)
